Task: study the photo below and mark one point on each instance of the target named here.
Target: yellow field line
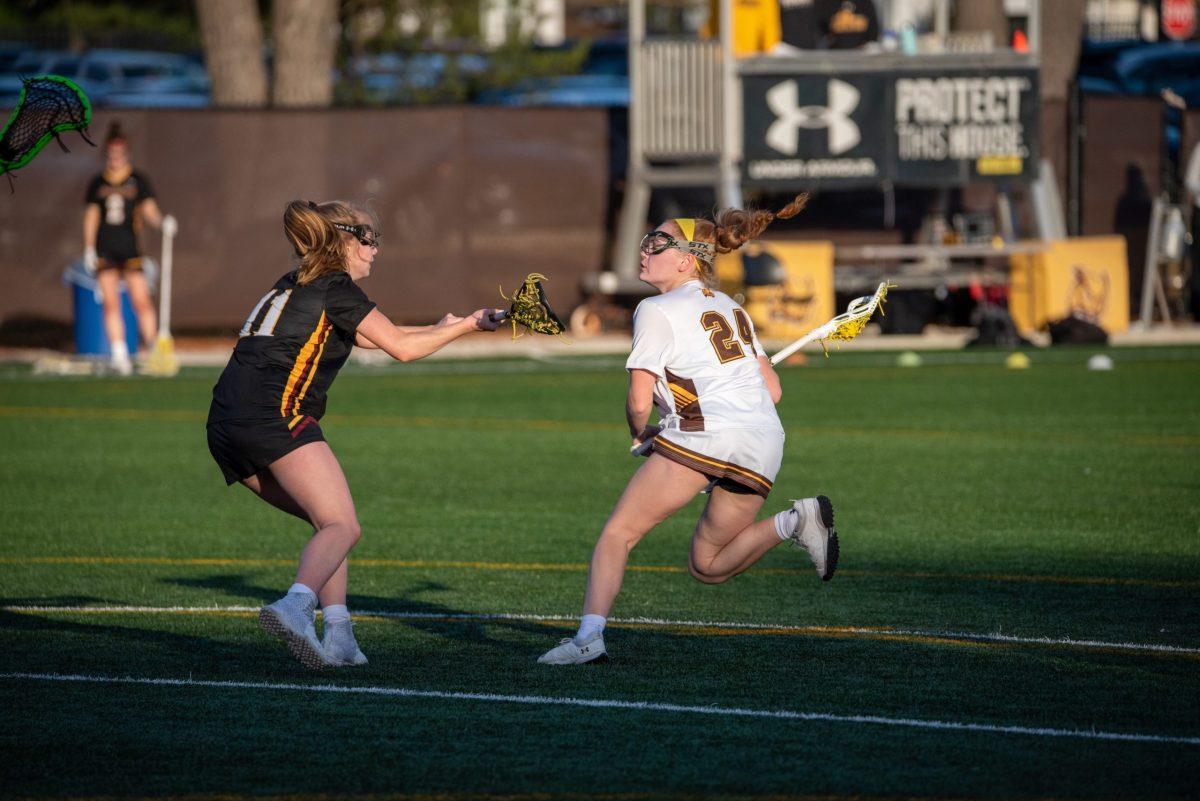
(581, 567)
(389, 420)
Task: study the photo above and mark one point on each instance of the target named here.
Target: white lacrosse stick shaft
(164, 290)
(859, 307)
(820, 332)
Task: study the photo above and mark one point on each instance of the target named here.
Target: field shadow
(38, 643)
(427, 616)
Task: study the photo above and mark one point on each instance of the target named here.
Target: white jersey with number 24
(703, 349)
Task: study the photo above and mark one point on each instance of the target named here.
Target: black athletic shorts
(244, 448)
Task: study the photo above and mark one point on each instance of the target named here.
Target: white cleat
(814, 532)
(569, 652)
(292, 619)
(340, 646)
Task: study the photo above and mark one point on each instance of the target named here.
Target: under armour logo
(784, 133)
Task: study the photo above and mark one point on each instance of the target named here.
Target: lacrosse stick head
(48, 105)
(531, 309)
(859, 311)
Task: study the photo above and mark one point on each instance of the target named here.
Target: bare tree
(233, 49)
(982, 16)
(1062, 37)
(305, 34)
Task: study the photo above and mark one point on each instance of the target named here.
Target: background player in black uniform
(118, 200)
(263, 425)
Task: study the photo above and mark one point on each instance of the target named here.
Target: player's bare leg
(143, 306)
(720, 550)
(727, 540)
(659, 489)
(109, 282)
(339, 643)
(312, 477)
(266, 487)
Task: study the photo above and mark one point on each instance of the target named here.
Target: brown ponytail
(320, 247)
(115, 134)
(734, 228)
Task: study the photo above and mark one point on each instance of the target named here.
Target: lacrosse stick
(163, 361)
(48, 105)
(844, 327)
(530, 309)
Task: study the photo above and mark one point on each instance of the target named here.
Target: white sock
(589, 625)
(335, 613)
(120, 350)
(298, 587)
(785, 522)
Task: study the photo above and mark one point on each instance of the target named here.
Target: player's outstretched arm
(409, 344)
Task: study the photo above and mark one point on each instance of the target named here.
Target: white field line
(651, 621)
(596, 703)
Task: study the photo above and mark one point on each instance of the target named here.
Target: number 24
(727, 347)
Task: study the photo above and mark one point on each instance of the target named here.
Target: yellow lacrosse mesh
(531, 309)
(846, 327)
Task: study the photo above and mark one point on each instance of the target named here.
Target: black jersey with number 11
(290, 350)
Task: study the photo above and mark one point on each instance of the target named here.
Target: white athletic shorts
(740, 459)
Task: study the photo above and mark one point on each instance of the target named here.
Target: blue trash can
(90, 338)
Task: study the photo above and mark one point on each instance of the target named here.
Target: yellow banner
(785, 287)
(1087, 278)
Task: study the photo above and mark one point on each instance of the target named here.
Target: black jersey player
(264, 423)
(118, 201)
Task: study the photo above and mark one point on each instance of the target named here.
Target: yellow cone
(1017, 361)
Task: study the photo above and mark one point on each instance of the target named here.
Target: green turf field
(1015, 615)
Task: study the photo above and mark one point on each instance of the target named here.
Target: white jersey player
(716, 411)
(696, 356)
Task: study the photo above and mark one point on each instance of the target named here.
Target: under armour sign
(784, 133)
(806, 125)
(812, 128)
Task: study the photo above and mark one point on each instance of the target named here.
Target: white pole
(730, 194)
(164, 287)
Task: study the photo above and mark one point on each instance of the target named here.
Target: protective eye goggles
(656, 242)
(365, 234)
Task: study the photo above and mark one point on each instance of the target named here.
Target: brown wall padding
(1054, 145)
(1122, 162)
(467, 198)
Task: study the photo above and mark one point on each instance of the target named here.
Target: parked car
(146, 78)
(32, 62)
(10, 52)
(400, 78)
(603, 80)
(562, 90)
(110, 77)
(1142, 69)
